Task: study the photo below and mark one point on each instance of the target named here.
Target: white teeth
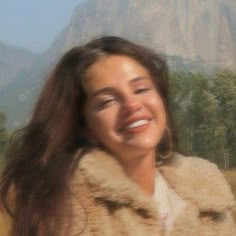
(137, 123)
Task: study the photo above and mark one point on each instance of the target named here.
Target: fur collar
(199, 181)
(195, 180)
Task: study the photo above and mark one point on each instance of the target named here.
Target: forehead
(113, 71)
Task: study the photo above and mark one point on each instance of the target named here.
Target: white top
(169, 203)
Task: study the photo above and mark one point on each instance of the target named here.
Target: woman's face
(124, 111)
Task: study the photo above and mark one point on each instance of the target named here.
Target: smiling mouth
(136, 126)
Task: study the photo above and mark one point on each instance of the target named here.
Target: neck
(141, 170)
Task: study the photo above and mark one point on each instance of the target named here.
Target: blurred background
(198, 38)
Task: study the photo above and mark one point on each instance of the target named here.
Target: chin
(144, 144)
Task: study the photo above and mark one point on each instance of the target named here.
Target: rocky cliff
(13, 62)
(191, 29)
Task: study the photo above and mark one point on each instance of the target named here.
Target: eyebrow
(140, 78)
(111, 89)
(103, 90)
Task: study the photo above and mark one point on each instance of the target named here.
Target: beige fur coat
(105, 202)
(115, 206)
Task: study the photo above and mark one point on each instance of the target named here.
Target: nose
(130, 105)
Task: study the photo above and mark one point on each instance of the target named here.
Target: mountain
(18, 98)
(13, 61)
(202, 30)
(21, 74)
(197, 35)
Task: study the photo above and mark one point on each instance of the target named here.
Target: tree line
(3, 134)
(204, 111)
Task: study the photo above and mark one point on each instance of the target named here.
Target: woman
(85, 163)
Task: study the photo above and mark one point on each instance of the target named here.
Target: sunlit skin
(125, 114)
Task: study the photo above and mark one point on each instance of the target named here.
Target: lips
(137, 123)
(134, 124)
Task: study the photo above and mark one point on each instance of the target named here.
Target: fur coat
(107, 203)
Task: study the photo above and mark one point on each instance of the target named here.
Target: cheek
(162, 110)
(158, 107)
(101, 123)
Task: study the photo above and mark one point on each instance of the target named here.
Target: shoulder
(94, 174)
(196, 166)
(199, 180)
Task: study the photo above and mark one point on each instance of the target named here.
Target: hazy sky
(34, 24)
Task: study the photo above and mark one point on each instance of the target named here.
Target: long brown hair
(41, 155)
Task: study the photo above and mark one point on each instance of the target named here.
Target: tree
(3, 133)
(224, 88)
(204, 111)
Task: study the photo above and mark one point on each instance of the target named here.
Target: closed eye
(105, 103)
(142, 90)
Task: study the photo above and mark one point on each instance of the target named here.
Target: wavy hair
(40, 157)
